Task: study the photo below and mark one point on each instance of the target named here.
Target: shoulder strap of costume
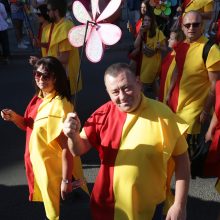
(206, 49)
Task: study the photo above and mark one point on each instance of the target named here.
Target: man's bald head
(192, 25)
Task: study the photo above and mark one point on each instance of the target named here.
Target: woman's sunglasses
(44, 76)
(194, 25)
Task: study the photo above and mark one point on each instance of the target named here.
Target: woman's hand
(147, 51)
(65, 188)
(8, 115)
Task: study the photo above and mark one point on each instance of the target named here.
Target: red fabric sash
(104, 130)
(163, 75)
(29, 116)
(181, 52)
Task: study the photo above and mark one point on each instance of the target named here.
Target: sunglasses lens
(194, 25)
(39, 75)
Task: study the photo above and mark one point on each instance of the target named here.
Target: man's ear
(138, 80)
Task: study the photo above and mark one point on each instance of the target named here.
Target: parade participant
(213, 135)
(149, 44)
(58, 43)
(44, 30)
(17, 16)
(194, 89)
(50, 166)
(204, 7)
(169, 64)
(135, 137)
(143, 8)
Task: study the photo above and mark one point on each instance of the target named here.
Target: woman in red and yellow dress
(50, 167)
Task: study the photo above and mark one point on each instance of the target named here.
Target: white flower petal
(80, 12)
(94, 47)
(77, 34)
(110, 9)
(110, 34)
(95, 8)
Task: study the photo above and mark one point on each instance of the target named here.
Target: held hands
(71, 125)
(8, 115)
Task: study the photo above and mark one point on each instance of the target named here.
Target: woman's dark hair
(60, 5)
(153, 26)
(148, 6)
(56, 69)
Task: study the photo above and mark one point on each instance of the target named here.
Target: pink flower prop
(98, 33)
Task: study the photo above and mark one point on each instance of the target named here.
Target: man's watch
(66, 181)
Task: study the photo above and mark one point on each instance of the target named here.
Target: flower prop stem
(80, 63)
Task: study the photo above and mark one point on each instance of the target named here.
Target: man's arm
(213, 77)
(211, 129)
(182, 176)
(77, 144)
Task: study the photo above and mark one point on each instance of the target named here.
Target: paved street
(16, 89)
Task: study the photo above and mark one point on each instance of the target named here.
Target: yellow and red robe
(134, 149)
(167, 68)
(43, 154)
(191, 89)
(150, 66)
(197, 5)
(59, 43)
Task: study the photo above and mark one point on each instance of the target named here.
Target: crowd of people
(162, 99)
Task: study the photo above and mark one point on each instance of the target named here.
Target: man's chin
(124, 108)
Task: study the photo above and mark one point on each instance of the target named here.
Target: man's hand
(208, 135)
(71, 125)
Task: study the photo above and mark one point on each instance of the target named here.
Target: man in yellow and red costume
(193, 94)
(135, 137)
(204, 7)
(58, 43)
